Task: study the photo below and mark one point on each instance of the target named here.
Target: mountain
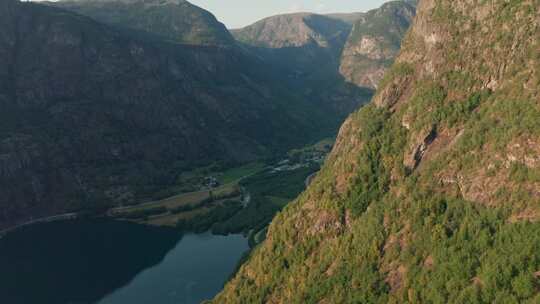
(295, 30)
(374, 42)
(93, 116)
(431, 193)
(318, 53)
(306, 49)
(349, 18)
(174, 20)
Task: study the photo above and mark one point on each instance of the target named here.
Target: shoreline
(49, 219)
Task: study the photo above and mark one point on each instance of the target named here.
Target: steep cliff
(295, 30)
(374, 43)
(431, 194)
(92, 116)
(320, 54)
(306, 48)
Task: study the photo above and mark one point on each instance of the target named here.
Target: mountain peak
(292, 30)
(175, 20)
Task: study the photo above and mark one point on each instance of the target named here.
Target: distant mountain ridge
(349, 18)
(294, 30)
(175, 20)
(306, 49)
(321, 53)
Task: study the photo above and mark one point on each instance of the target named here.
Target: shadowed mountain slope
(93, 116)
(174, 20)
(319, 54)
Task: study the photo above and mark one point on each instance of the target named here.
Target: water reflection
(113, 263)
(194, 270)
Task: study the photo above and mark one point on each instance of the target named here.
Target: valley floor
(242, 199)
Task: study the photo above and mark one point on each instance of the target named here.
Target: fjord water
(107, 262)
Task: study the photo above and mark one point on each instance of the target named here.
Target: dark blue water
(106, 262)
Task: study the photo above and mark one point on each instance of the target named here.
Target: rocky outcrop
(318, 53)
(306, 48)
(374, 43)
(420, 144)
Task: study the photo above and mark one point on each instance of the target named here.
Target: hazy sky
(238, 13)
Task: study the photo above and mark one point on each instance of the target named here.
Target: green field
(218, 209)
(172, 219)
(191, 205)
(182, 199)
(270, 192)
(234, 174)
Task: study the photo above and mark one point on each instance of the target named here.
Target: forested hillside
(431, 194)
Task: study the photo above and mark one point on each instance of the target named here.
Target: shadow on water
(77, 262)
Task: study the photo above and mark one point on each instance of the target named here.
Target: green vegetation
(398, 71)
(235, 174)
(432, 107)
(463, 226)
(143, 214)
(521, 173)
(316, 152)
(269, 193)
(207, 201)
(476, 255)
(187, 199)
(382, 138)
(186, 208)
(206, 221)
(287, 184)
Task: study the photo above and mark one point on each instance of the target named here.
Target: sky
(239, 13)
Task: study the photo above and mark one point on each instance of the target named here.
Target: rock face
(374, 43)
(174, 20)
(319, 54)
(306, 48)
(431, 192)
(295, 30)
(93, 117)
